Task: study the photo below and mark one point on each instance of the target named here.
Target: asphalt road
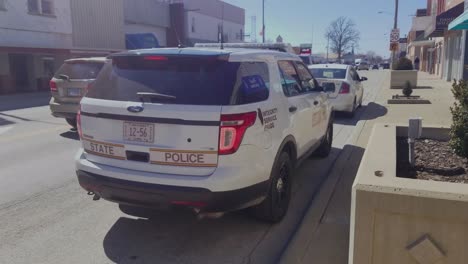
(47, 218)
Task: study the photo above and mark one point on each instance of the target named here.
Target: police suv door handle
(292, 109)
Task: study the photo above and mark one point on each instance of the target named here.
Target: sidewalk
(323, 236)
(23, 100)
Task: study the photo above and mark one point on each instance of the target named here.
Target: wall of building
(98, 25)
(206, 28)
(147, 16)
(452, 3)
(4, 65)
(19, 28)
(217, 9)
(146, 12)
(159, 32)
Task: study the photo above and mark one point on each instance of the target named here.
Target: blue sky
(298, 20)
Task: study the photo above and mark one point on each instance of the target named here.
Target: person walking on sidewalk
(416, 63)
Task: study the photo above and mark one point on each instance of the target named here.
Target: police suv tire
(275, 206)
(325, 147)
(71, 122)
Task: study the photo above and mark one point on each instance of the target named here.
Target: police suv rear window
(194, 80)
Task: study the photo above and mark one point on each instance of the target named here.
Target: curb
(296, 249)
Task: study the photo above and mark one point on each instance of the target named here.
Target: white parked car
(343, 85)
(209, 129)
(363, 65)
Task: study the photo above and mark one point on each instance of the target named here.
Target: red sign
(307, 51)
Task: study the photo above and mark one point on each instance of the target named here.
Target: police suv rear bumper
(161, 196)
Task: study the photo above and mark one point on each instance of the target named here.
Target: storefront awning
(422, 43)
(460, 23)
(442, 21)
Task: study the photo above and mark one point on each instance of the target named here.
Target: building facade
(195, 21)
(97, 27)
(146, 23)
(460, 25)
(35, 38)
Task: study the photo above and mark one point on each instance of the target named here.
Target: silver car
(69, 84)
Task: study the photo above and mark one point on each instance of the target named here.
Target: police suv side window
(307, 81)
(252, 83)
(289, 79)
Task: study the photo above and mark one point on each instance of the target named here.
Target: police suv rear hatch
(160, 113)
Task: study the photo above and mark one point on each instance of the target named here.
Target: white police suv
(209, 129)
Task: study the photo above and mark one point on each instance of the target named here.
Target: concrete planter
(398, 79)
(398, 220)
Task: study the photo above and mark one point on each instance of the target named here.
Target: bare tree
(371, 56)
(342, 35)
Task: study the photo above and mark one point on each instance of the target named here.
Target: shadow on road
(323, 234)
(5, 122)
(370, 111)
(178, 236)
(24, 100)
(71, 134)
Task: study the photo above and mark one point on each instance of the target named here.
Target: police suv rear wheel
(275, 206)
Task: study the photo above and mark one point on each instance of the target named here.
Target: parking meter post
(414, 132)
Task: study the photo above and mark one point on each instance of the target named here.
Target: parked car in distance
(343, 85)
(385, 66)
(363, 66)
(375, 67)
(201, 128)
(69, 84)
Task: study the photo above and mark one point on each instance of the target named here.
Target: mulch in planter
(435, 160)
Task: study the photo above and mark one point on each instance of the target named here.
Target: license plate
(138, 132)
(74, 92)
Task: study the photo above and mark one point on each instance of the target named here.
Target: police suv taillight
(232, 130)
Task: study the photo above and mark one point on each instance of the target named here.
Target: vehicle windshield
(328, 73)
(192, 81)
(80, 70)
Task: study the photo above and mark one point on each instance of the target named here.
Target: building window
(33, 6)
(44, 7)
(193, 24)
(2, 5)
(47, 7)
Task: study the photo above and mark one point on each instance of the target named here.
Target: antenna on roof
(222, 25)
(179, 43)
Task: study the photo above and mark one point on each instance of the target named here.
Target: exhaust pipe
(95, 197)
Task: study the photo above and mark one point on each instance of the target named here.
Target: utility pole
(263, 18)
(328, 45)
(395, 26)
